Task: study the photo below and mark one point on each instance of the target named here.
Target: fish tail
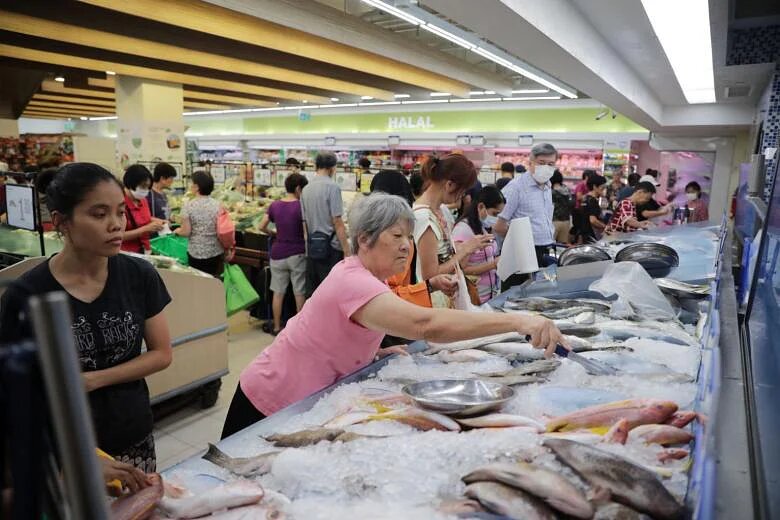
(216, 456)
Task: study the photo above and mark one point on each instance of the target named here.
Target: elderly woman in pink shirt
(340, 328)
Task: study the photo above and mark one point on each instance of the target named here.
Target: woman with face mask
(479, 219)
(695, 207)
(446, 182)
(140, 223)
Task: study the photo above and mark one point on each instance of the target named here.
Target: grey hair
(543, 149)
(374, 214)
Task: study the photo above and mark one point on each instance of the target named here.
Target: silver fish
(464, 356)
(540, 366)
(574, 329)
(515, 380)
(548, 304)
(628, 483)
(567, 312)
(585, 318)
(621, 331)
(304, 437)
(508, 501)
(434, 348)
(241, 466)
(628, 364)
(551, 487)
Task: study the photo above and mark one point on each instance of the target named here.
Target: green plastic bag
(171, 245)
(239, 293)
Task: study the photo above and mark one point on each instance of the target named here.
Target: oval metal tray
(459, 397)
(584, 254)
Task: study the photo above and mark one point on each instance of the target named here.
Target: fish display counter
(565, 442)
(20, 243)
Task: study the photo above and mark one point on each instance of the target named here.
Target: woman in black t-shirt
(117, 303)
(591, 210)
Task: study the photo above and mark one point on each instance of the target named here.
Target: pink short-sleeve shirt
(320, 345)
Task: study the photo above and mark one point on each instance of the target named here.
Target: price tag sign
(279, 178)
(20, 201)
(365, 182)
(262, 177)
(346, 181)
(487, 177)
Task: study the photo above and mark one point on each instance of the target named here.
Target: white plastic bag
(635, 290)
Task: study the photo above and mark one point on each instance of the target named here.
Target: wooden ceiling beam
(108, 82)
(208, 106)
(235, 100)
(74, 99)
(59, 88)
(47, 104)
(60, 111)
(53, 58)
(41, 28)
(34, 115)
(225, 23)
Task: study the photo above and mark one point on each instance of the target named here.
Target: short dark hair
(503, 181)
(693, 184)
(364, 163)
(586, 174)
(633, 179)
(135, 175)
(292, 161)
(508, 167)
(520, 169)
(647, 187)
(326, 160)
(204, 181)
(162, 171)
(392, 182)
(295, 180)
(557, 177)
(71, 183)
(596, 180)
(651, 172)
(43, 179)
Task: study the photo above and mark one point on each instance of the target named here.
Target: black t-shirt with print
(590, 207)
(651, 205)
(108, 331)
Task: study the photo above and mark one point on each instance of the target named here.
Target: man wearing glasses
(530, 196)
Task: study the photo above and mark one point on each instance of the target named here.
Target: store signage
(393, 140)
(409, 122)
(525, 140)
(262, 177)
(462, 139)
(330, 141)
(346, 181)
(487, 177)
(218, 173)
(20, 201)
(477, 140)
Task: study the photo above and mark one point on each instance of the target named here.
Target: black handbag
(319, 247)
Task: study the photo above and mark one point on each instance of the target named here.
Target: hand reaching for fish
(446, 283)
(544, 334)
(396, 349)
(131, 477)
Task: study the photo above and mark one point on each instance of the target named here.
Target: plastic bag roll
(518, 254)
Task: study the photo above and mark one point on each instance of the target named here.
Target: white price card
(218, 173)
(262, 177)
(20, 202)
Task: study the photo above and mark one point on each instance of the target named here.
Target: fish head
(663, 410)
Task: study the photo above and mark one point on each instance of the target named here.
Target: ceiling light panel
(684, 33)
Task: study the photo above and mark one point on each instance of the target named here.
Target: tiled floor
(186, 432)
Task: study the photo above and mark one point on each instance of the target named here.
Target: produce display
(567, 444)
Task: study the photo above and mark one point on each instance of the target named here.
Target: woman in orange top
(402, 284)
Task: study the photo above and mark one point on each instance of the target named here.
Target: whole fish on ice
(241, 466)
(501, 420)
(420, 419)
(139, 505)
(681, 418)
(304, 437)
(627, 482)
(541, 366)
(464, 356)
(225, 496)
(508, 501)
(663, 434)
(547, 485)
(618, 433)
(628, 364)
(434, 348)
(635, 411)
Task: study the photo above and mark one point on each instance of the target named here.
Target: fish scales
(508, 501)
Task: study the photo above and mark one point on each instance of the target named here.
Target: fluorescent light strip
(684, 33)
(338, 106)
(476, 100)
(529, 98)
(107, 118)
(440, 94)
(532, 91)
(379, 103)
(457, 40)
(425, 101)
(366, 97)
(492, 57)
(394, 11)
(402, 96)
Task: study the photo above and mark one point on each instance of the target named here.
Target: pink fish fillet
(635, 411)
(681, 418)
(140, 505)
(224, 496)
(662, 434)
(618, 434)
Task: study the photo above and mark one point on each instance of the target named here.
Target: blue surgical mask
(489, 221)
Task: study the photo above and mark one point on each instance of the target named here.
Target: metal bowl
(657, 259)
(459, 397)
(584, 254)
